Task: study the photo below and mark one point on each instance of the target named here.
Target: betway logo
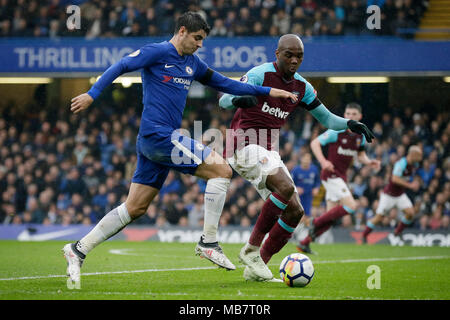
(346, 152)
(277, 112)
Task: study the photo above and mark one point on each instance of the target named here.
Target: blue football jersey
(166, 79)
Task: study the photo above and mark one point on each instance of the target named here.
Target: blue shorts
(159, 152)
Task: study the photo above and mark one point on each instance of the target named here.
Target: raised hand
(327, 165)
(361, 128)
(81, 102)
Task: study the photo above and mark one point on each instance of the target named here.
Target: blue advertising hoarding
(226, 234)
(67, 57)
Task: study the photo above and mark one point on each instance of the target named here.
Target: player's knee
(409, 215)
(286, 190)
(223, 172)
(136, 210)
(352, 206)
(294, 212)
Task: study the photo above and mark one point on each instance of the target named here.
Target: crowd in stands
(227, 18)
(60, 168)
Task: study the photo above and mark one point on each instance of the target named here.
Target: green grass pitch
(152, 270)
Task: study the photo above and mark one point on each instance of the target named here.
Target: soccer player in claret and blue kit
(168, 69)
(251, 150)
(343, 146)
(394, 196)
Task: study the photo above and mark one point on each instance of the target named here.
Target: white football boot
(74, 263)
(250, 276)
(214, 253)
(253, 260)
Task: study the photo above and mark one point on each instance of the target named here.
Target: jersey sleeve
(138, 59)
(202, 67)
(362, 146)
(399, 167)
(327, 137)
(310, 94)
(310, 100)
(252, 77)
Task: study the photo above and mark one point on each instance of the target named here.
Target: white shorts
(254, 163)
(336, 189)
(388, 202)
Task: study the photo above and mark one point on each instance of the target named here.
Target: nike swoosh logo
(169, 66)
(26, 236)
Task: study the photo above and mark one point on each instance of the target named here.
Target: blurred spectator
(132, 19)
(355, 18)
(71, 170)
(282, 21)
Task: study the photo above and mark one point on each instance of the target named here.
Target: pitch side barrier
(78, 57)
(37, 232)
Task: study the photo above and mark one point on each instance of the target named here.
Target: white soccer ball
(296, 270)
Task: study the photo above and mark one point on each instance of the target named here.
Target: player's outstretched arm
(316, 149)
(228, 101)
(364, 159)
(227, 85)
(278, 93)
(250, 101)
(134, 61)
(414, 185)
(334, 122)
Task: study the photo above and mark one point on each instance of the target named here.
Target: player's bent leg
(281, 187)
(138, 200)
(370, 226)
(405, 221)
(214, 166)
(325, 221)
(282, 231)
(312, 230)
(349, 204)
(218, 174)
(281, 184)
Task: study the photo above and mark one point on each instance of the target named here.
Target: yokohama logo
(177, 80)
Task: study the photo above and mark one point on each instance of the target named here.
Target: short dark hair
(193, 22)
(354, 105)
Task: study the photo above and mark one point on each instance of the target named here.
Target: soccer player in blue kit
(306, 178)
(168, 69)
